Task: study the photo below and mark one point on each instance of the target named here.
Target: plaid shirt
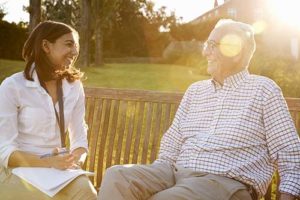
(240, 130)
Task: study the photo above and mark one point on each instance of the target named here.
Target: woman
(37, 107)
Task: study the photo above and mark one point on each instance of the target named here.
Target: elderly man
(228, 136)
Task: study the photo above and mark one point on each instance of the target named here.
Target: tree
(34, 13)
(113, 28)
(188, 31)
(2, 13)
(85, 32)
(104, 12)
(66, 11)
(136, 31)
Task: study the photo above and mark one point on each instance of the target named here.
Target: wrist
(286, 196)
(47, 162)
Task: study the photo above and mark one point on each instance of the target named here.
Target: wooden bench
(125, 126)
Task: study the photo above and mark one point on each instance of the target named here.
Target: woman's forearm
(23, 159)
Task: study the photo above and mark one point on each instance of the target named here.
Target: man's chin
(211, 70)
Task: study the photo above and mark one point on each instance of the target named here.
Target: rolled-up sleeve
(283, 142)
(8, 120)
(78, 127)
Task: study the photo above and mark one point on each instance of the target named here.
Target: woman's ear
(45, 46)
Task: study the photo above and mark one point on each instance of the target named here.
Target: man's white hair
(245, 31)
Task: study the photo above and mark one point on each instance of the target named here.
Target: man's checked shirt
(240, 130)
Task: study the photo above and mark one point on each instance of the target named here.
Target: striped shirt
(241, 130)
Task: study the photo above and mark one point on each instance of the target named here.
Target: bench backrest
(125, 126)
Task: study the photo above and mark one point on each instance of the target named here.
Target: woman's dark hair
(34, 53)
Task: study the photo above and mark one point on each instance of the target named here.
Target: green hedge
(12, 38)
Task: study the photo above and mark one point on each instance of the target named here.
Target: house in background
(274, 34)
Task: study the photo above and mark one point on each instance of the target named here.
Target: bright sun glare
(287, 11)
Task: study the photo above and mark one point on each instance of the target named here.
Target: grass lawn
(161, 77)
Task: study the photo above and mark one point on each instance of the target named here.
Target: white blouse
(27, 117)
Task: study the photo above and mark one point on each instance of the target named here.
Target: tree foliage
(67, 11)
(2, 13)
(189, 31)
(117, 28)
(136, 30)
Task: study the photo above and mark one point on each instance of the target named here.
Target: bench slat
(146, 136)
(156, 132)
(112, 131)
(121, 131)
(137, 135)
(102, 148)
(129, 140)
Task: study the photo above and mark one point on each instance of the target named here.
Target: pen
(54, 154)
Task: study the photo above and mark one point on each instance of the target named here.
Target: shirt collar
(233, 81)
(35, 82)
(236, 79)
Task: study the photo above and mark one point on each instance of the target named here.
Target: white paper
(48, 180)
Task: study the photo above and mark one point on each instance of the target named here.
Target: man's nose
(205, 51)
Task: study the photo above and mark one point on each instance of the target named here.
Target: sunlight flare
(287, 11)
(230, 45)
(259, 26)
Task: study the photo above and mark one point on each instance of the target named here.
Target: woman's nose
(75, 51)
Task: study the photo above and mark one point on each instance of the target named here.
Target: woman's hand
(62, 161)
(80, 156)
(60, 158)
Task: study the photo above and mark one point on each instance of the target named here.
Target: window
(216, 13)
(232, 12)
(258, 14)
(295, 48)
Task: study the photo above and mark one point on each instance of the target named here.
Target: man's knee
(113, 173)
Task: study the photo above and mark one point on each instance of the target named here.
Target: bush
(12, 38)
(280, 68)
(183, 52)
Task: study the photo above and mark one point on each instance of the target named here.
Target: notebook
(48, 180)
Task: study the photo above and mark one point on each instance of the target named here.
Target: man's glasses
(210, 45)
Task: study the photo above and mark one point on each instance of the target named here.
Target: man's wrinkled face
(223, 50)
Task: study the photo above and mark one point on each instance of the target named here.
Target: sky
(187, 9)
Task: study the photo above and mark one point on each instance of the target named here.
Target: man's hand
(285, 196)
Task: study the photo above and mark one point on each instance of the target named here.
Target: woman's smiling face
(63, 52)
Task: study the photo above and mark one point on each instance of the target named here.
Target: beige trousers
(13, 188)
(165, 182)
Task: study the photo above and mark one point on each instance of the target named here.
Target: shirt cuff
(5, 154)
(78, 145)
(292, 187)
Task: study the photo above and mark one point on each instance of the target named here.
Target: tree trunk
(34, 13)
(98, 43)
(84, 57)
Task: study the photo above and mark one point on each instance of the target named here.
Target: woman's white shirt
(27, 117)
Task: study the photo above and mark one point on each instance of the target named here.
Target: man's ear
(45, 46)
(239, 58)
